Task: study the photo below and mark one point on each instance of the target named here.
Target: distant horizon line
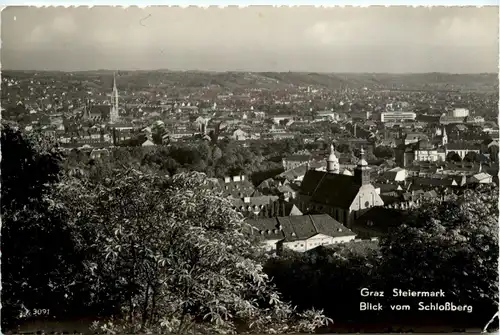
(243, 71)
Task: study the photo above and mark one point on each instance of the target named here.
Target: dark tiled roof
(434, 181)
(298, 158)
(306, 226)
(237, 189)
(419, 194)
(300, 170)
(100, 110)
(269, 182)
(384, 188)
(428, 118)
(490, 140)
(267, 227)
(462, 146)
(293, 228)
(254, 201)
(327, 188)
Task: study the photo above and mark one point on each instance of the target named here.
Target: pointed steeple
(362, 171)
(114, 115)
(444, 138)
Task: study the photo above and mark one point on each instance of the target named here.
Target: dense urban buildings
(262, 200)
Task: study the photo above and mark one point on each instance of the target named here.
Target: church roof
(328, 188)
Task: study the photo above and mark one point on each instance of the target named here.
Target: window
(367, 204)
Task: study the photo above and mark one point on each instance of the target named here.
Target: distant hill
(281, 80)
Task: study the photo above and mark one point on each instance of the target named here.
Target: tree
(345, 148)
(216, 154)
(327, 277)
(383, 151)
(38, 258)
(493, 151)
(450, 245)
(174, 256)
(452, 156)
(158, 131)
(472, 157)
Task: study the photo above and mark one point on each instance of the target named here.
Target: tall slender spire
(113, 115)
(444, 138)
(115, 92)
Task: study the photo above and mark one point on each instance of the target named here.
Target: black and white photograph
(249, 170)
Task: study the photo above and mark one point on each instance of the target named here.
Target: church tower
(362, 171)
(332, 163)
(444, 139)
(86, 110)
(113, 114)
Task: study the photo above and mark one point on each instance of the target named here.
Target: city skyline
(252, 39)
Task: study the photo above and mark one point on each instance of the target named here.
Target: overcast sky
(258, 38)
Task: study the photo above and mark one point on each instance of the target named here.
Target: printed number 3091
(41, 312)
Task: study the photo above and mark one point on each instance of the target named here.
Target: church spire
(444, 138)
(362, 171)
(113, 114)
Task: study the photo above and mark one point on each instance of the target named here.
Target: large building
(451, 119)
(397, 116)
(460, 112)
(300, 233)
(342, 196)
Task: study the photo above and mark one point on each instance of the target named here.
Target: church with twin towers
(344, 197)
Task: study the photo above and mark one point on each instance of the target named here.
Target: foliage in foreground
(38, 259)
(173, 256)
(452, 245)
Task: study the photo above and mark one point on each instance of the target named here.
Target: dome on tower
(332, 157)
